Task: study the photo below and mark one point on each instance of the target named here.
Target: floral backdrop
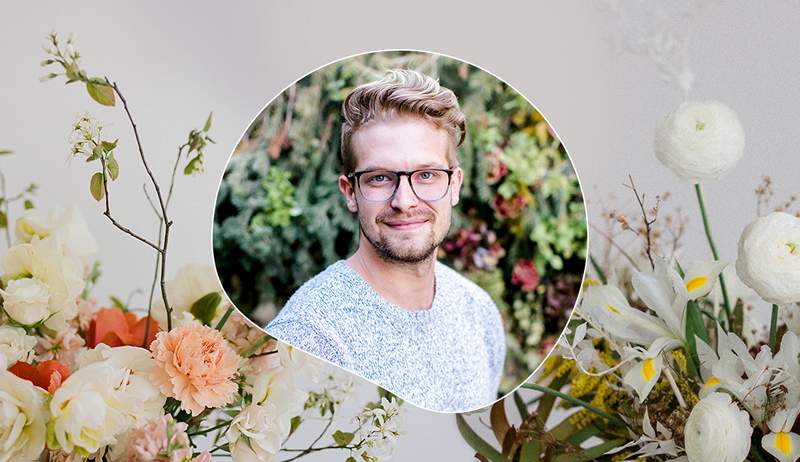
(519, 232)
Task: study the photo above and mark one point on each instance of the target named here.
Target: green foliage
(280, 218)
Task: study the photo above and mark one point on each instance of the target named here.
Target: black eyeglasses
(428, 184)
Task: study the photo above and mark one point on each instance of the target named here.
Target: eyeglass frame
(357, 175)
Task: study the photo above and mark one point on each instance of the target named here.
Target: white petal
(607, 306)
(700, 277)
(643, 376)
(784, 446)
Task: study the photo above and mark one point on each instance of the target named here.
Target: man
(391, 312)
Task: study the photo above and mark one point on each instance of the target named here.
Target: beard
(409, 253)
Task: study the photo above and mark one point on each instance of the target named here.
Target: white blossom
(700, 140)
(23, 419)
(769, 257)
(717, 430)
(15, 345)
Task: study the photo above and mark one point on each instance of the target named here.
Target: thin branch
(167, 222)
(615, 245)
(647, 223)
(107, 213)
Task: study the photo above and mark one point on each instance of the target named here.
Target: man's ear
(455, 186)
(346, 187)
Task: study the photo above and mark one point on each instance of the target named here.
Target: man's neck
(410, 286)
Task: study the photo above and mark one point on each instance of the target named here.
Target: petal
(784, 446)
(608, 307)
(643, 376)
(663, 292)
(701, 276)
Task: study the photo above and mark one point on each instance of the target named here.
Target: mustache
(390, 216)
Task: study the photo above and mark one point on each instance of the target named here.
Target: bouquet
(663, 358)
(184, 378)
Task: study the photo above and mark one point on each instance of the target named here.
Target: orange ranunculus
(48, 374)
(116, 328)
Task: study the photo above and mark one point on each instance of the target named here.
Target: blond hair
(401, 92)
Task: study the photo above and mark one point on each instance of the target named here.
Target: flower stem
(773, 328)
(576, 401)
(725, 302)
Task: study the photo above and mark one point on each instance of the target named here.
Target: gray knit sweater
(448, 358)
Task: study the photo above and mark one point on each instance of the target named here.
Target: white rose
(769, 257)
(23, 419)
(256, 433)
(107, 396)
(43, 260)
(190, 284)
(717, 430)
(26, 301)
(700, 140)
(68, 226)
(15, 345)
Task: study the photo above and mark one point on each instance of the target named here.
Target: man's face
(404, 228)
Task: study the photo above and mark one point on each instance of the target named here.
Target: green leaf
(118, 303)
(4, 152)
(113, 167)
(207, 126)
(530, 451)
(109, 146)
(295, 422)
(343, 438)
(3, 220)
(205, 307)
(351, 459)
(97, 152)
(224, 319)
(103, 94)
(476, 442)
(694, 326)
(28, 204)
(96, 186)
(521, 407)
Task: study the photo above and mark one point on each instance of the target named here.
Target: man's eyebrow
(417, 167)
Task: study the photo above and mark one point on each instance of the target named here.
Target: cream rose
(700, 140)
(717, 430)
(256, 433)
(67, 225)
(769, 257)
(107, 396)
(26, 301)
(23, 419)
(15, 345)
(44, 265)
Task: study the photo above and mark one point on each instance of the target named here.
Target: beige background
(176, 61)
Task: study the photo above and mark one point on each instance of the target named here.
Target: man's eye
(427, 175)
(377, 179)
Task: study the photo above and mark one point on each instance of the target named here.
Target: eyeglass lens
(380, 185)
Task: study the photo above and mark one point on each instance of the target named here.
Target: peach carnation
(195, 365)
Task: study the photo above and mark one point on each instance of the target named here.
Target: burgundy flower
(509, 208)
(495, 168)
(525, 275)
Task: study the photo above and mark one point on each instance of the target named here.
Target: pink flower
(525, 275)
(87, 310)
(195, 365)
(509, 208)
(149, 443)
(495, 168)
(63, 347)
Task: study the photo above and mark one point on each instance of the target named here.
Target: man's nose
(404, 197)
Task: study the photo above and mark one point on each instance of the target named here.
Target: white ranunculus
(769, 257)
(15, 345)
(68, 225)
(700, 140)
(717, 430)
(108, 395)
(43, 261)
(23, 419)
(26, 301)
(191, 283)
(257, 432)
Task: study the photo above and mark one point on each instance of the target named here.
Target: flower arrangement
(185, 378)
(660, 360)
